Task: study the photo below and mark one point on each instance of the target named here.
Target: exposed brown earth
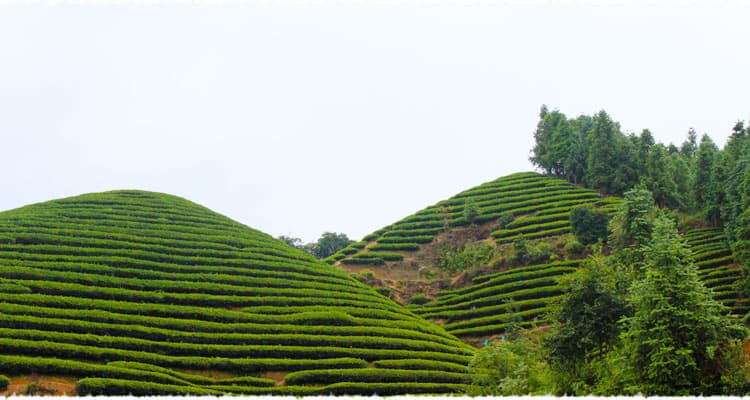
(47, 386)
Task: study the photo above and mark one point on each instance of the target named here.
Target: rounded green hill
(146, 293)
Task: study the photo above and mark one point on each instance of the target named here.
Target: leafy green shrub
(32, 389)
(4, 382)
(574, 248)
(520, 251)
(504, 219)
(385, 291)
(510, 367)
(419, 299)
(466, 256)
(365, 275)
(541, 253)
(531, 254)
(471, 211)
(588, 224)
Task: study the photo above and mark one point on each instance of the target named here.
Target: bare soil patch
(47, 385)
(278, 377)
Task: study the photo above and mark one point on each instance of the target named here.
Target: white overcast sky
(297, 118)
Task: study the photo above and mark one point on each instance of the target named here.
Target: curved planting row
(519, 296)
(716, 266)
(522, 295)
(540, 204)
(127, 290)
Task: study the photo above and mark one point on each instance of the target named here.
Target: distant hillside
(503, 291)
(536, 206)
(145, 293)
(539, 205)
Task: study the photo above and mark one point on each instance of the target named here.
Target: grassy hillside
(539, 206)
(504, 292)
(144, 293)
(403, 255)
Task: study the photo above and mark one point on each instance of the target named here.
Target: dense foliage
(511, 367)
(588, 224)
(679, 340)
(326, 245)
(642, 320)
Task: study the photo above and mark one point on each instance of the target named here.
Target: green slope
(517, 295)
(144, 293)
(540, 206)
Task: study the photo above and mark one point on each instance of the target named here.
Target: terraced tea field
(144, 293)
(716, 266)
(539, 207)
(520, 296)
(523, 295)
(534, 207)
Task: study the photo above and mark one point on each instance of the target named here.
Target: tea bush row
(257, 287)
(264, 346)
(310, 335)
(316, 377)
(419, 364)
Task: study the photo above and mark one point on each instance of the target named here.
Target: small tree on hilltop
(328, 244)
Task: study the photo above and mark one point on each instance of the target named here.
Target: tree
(631, 226)
(471, 211)
(599, 169)
(718, 191)
(560, 147)
(329, 243)
(291, 241)
(588, 224)
(624, 167)
(509, 367)
(682, 177)
(741, 250)
(690, 145)
(734, 162)
(542, 140)
(679, 339)
(585, 324)
(659, 179)
(703, 187)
